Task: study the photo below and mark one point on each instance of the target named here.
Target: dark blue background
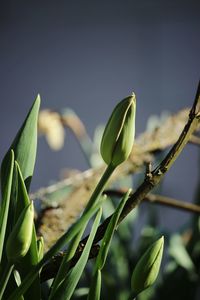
(88, 55)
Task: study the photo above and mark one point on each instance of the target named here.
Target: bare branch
(154, 177)
(158, 173)
(161, 200)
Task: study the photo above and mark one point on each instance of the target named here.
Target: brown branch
(54, 222)
(154, 177)
(146, 143)
(51, 268)
(161, 200)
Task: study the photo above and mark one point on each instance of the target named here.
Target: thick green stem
(93, 203)
(72, 248)
(100, 187)
(64, 267)
(5, 278)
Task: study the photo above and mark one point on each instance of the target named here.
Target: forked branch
(153, 178)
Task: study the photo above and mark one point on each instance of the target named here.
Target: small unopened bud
(147, 268)
(119, 133)
(19, 240)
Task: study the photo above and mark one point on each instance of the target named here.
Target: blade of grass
(24, 147)
(64, 267)
(4, 279)
(95, 288)
(67, 287)
(93, 202)
(94, 293)
(25, 144)
(6, 192)
(103, 252)
(62, 241)
(31, 258)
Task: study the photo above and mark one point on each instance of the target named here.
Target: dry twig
(55, 221)
(161, 200)
(154, 177)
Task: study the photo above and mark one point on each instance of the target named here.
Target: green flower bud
(119, 134)
(147, 268)
(19, 240)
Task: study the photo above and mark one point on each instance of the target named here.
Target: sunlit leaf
(67, 287)
(94, 293)
(25, 144)
(61, 242)
(31, 258)
(6, 192)
(101, 258)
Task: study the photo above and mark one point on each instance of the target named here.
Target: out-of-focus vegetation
(121, 256)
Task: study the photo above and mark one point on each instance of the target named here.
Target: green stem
(100, 187)
(65, 264)
(74, 244)
(93, 203)
(5, 278)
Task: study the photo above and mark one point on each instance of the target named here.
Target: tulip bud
(19, 240)
(147, 268)
(118, 136)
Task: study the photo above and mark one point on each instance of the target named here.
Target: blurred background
(88, 55)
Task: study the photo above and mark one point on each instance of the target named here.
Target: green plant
(23, 260)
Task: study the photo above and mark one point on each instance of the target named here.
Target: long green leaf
(25, 144)
(94, 293)
(6, 192)
(24, 147)
(64, 267)
(67, 287)
(62, 241)
(31, 258)
(95, 289)
(103, 252)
